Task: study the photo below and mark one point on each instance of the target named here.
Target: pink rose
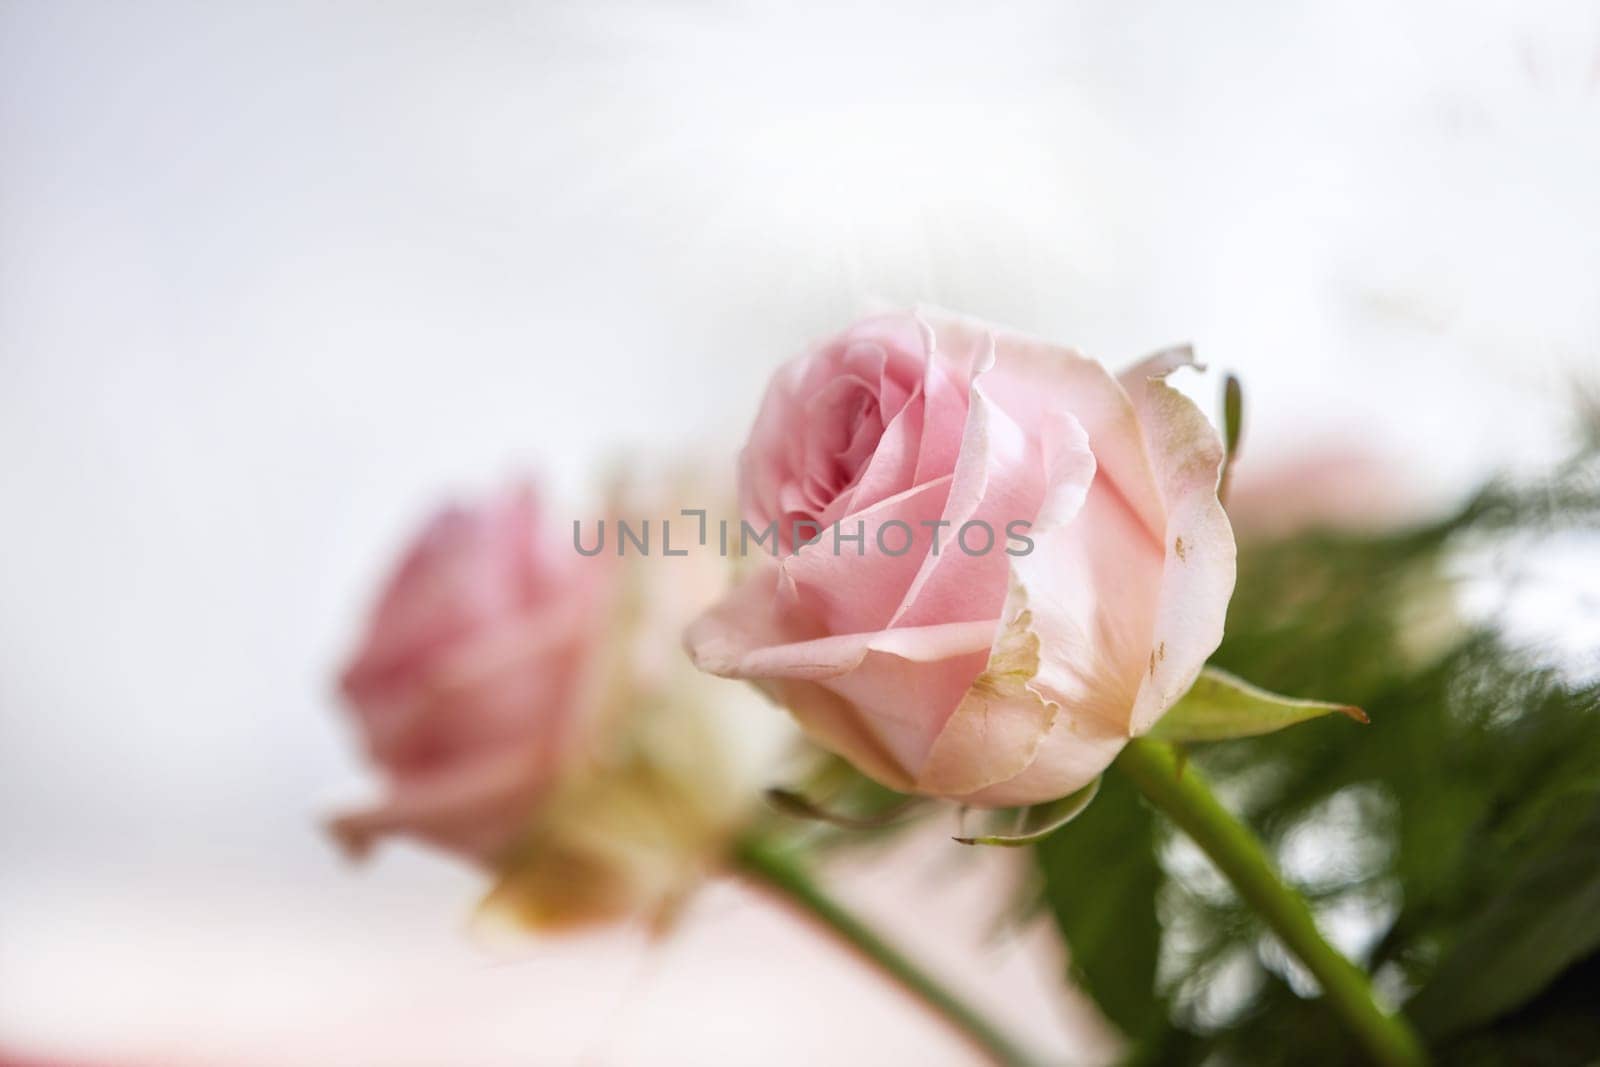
(468, 687)
(1332, 485)
(532, 710)
(1000, 670)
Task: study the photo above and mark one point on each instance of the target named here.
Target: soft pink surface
(379, 971)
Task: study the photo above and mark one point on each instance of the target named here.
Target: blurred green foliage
(1452, 847)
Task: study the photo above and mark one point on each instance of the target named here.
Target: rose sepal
(1033, 824)
(1222, 706)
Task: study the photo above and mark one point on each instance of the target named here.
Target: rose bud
(995, 562)
(530, 711)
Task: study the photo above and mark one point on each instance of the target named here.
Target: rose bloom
(530, 711)
(999, 677)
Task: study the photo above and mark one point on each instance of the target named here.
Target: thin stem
(1183, 796)
(780, 870)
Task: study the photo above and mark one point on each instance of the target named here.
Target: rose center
(845, 424)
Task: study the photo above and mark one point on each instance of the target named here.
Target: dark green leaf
(1100, 879)
(1547, 918)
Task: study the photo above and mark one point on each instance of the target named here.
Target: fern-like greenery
(1452, 846)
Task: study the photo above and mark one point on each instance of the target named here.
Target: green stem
(780, 869)
(1182, 794)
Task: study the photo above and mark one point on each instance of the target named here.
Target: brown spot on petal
(1161, 651)
(1178, 548)
(1014, 661)
(996, 730)
(1152, 664)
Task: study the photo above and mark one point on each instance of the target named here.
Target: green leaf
(1100, 877)
(1220, 706)
(1032, 825)
(1545, 920)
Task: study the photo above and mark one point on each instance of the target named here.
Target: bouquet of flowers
(1284, 800)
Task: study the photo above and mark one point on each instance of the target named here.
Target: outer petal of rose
(746, 636)
(1066, 760)
(1198, 572)
(832, 722)
(1032, 378)
(1085, 584)
(994, 734)
(904, 702)
(475, 809)
(1096, 584)
(1122, 532)
(1093, 581)
(876, 698)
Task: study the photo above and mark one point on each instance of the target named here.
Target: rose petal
(885, 352)
(1071, 754)
(944, 413)
(851, 588)
(1199, 551)
(1090, 586)
(474, 809)
(993, 733)
(832, 722)
(998, 478)
(509, 684)
(1031, 378)
(747, 635)
(469, 568)
(892, 467)
(877, 688)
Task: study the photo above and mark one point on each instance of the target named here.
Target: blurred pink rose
(1002, 676)
(1334, 485)
(532, 710)
(467, 687)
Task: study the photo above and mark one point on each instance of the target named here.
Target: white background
(273, 278)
